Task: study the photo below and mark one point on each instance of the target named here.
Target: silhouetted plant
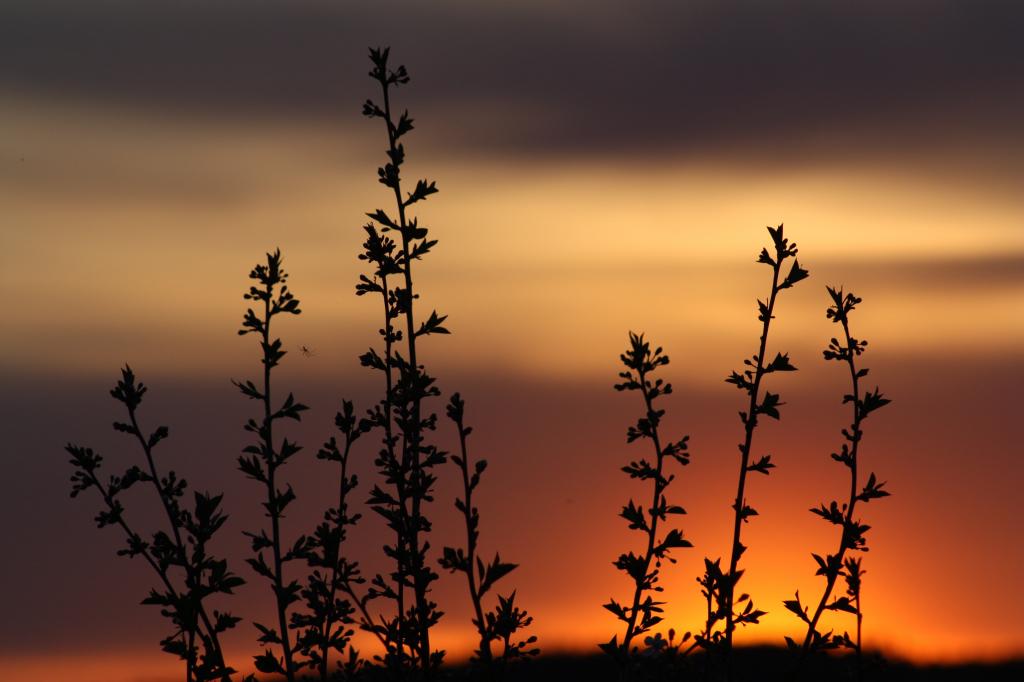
(188, 573)
(852, 535)
(264, 457)
(326, 624)
(406, 460)
(380, 252)
(501, 624)
(720, 586)
(643, 611)
(711, 589)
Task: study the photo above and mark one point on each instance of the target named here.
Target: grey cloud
(610, 76)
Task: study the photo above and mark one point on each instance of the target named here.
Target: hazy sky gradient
(603, 168)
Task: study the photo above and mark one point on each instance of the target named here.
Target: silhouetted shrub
(180, 557)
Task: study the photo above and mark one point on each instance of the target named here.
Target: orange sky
(129, 230)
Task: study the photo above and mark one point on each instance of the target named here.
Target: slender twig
(344, 487)
(501, 624)
(471, 517)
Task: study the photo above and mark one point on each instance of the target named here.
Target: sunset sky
(603, 167)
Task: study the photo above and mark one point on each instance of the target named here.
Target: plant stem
(367, 618)
(471, 541)
(859, 650)
(411, 442)
(193, 580)
(659, 487)
(750, 426)
(268, 432)
(189, 663)
(325, 631)
(832, 576)
(153, 563)
(400, 482)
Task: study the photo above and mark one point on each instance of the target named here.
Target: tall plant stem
(275, 525)
(750, 426)
(389, 388)
(659, 488)
(643, 612)
(325, 629)
(471, 541)
(832, 576)
(411, 445)
(852, 538)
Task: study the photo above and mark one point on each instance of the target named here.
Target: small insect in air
(307, 352)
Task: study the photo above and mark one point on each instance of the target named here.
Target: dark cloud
(612, 76)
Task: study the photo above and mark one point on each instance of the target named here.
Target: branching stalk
(501, 624)
(643, 612)
(409, 474)
(750, 380)
(325, 626)
(265, 458)
(852, 536)
(204, 575)
(174, 518)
